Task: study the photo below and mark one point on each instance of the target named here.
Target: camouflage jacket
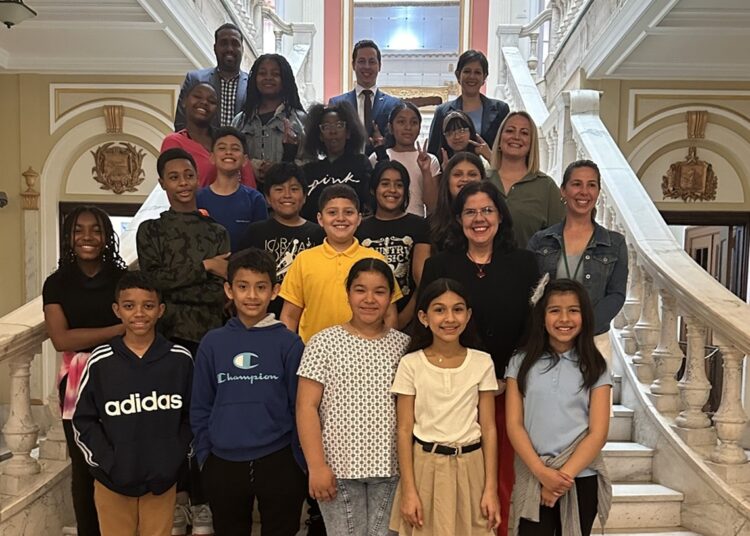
(171, 251)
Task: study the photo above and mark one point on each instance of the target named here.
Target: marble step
(636, 506)
(627, 461)
(616, 389)
(620, 424)
(668, 531)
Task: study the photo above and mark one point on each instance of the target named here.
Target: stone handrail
(22, 333)
(665, 284)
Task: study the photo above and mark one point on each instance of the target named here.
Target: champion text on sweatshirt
(244, 391)
(131, 420)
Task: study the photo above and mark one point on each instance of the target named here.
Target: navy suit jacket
(493, 113)
(382, 104)
(211, 76)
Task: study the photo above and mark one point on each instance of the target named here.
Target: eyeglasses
(457, 132)
(333, 127)
(471, 213)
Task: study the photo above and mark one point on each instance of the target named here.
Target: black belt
(448, 451)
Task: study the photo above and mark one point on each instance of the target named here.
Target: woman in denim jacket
(273, 116)
(581, 249)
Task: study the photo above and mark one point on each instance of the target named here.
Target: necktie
(368, 109)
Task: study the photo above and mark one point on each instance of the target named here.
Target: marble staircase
(639, 505)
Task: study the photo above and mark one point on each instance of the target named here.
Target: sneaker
(203, 523)
(181, 520)
(315, 526)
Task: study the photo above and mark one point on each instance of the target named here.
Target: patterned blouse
(357, 411)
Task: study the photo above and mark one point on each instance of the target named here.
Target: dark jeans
(549, 518)
(189, 478)
(232, 487)
(82, 483)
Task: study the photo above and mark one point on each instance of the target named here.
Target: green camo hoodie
(171, 251)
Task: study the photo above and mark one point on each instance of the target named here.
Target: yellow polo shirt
(316, 282)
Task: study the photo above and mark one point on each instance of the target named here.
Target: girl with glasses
(334, 145)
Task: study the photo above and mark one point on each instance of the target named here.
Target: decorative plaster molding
(57, 119)
(635, 129)
(30, 196)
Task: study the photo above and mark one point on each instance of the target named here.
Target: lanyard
(580, 260)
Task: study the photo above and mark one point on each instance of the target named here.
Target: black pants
(276, 480)
(549, 518)
(82, 483)
(189, 478)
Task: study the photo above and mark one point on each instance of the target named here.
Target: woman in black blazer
(487, 114)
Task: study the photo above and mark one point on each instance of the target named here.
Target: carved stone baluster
(646, 330)
(667, 358)
(20, 430)
(632, 307)
(730, 419)
(533, 60)
(620, 321)
(601, 204)
(692, 424)
(54, 446)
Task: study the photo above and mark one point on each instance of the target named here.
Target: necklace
(357, 333)
(440, 358)
(480, 266)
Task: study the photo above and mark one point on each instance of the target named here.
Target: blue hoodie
(244, 391)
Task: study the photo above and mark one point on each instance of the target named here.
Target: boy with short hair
(243, 407)
(131, 420)
(185, 254)
(285, 234)
(313, 290)
(229, 202)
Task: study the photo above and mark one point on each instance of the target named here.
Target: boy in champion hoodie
(242, 409)
(131, 420)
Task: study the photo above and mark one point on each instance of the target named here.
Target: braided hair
(110, 258)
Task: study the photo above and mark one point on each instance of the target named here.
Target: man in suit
(372, 105)
(227, 79)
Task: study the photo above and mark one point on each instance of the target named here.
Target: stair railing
(665, 284)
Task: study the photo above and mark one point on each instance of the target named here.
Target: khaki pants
(148, 515)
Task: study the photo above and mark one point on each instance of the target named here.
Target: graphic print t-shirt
(351, 169)
(284, 243)
(395, 240)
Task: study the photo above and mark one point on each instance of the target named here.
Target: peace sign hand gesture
(423, 157)
(377, 139)
(289, 137)
(481, 148)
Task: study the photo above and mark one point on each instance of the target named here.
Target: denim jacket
(605, 268)
(264, 142)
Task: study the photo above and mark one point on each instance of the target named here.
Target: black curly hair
(314, 145)
(110, 252)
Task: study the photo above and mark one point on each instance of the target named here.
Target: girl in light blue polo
(557, 413)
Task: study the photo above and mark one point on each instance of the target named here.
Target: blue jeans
(358, 500)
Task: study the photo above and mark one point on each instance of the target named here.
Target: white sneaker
(181, 520)
(203, 523)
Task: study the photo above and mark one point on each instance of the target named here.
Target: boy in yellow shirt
(314, 290)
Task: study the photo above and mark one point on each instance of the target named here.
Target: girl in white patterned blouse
(346, 415)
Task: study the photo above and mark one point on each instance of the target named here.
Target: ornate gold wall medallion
(117, 167)
(691, 179)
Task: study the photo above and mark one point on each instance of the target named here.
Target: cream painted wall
(27, 138)
(648, 121)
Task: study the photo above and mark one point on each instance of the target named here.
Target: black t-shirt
(85, 301)
(351, 169)
(500, 299)
(284, 243)
(395, 240)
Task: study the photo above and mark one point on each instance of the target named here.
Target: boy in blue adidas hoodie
(131, 418)
(242, 407)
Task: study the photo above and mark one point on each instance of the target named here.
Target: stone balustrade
(666, 288)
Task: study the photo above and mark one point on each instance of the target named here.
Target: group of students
(371, 344)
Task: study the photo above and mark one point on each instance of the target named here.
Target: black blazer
(210, 75)
(493, 113)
